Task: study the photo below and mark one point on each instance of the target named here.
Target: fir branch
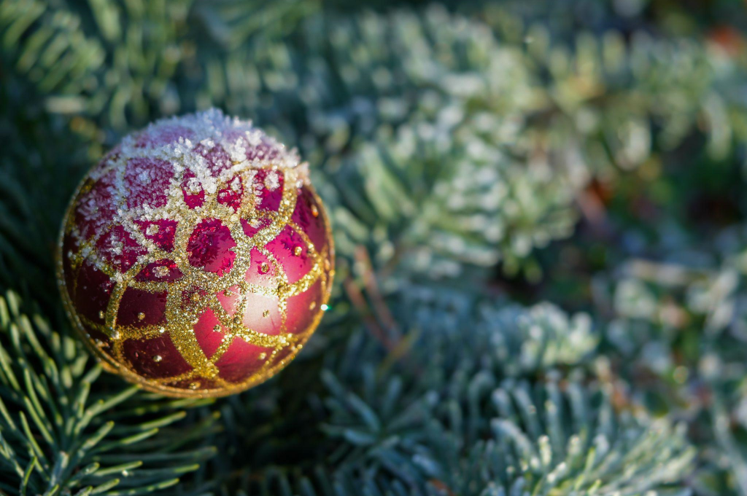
(61, 423)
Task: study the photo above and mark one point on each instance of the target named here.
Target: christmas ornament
(195, 258)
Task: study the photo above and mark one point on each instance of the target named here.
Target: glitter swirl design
(196, 258)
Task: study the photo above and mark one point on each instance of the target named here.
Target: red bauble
(196, 258)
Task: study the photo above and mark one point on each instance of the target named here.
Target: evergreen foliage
(539, 213)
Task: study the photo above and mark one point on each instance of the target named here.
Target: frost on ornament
(196, 258)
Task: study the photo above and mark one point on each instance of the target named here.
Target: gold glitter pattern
(197, 290)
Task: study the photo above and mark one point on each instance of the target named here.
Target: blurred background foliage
(540, 218)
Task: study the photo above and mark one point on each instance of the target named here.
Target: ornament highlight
(196, 259)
